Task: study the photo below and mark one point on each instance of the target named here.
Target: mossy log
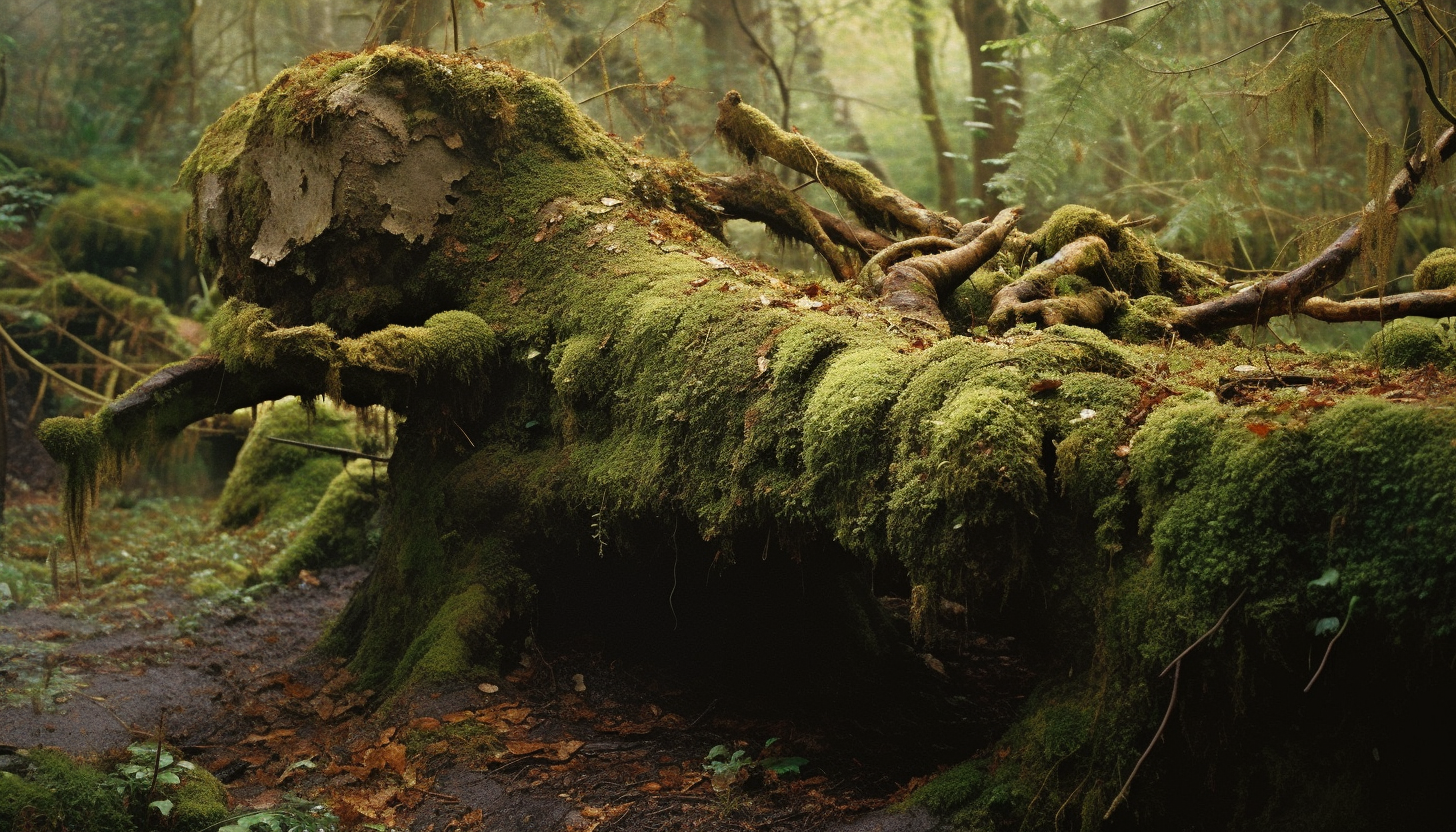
(614, 420)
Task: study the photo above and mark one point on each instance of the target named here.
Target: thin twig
(1211, 630)
(1296, 30)
(1420, 62)
(1331, 646)
(344, 452)
(625, 29)
(1445, 35)
(85, 392)
(1358, 120)
(1172, 700)
(1123, 16)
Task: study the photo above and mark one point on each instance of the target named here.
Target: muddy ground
(571, 739)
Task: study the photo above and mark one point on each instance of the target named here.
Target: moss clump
(278, 482)
(133, 238)
(201, 802)
(1145, 320)
(1437, 270)
(1409, 342)
(339, 531)
(1134, 265)
(26, 806)
(87, 798)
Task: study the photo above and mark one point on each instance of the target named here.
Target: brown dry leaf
(1122, 451)
(515, 290)
(1045, 385)
(424, 723)
(470, 818)
(457, 716)
(702, 281)
(308, 577)
(324, 707)
(271, 736)
(486, 687)
(651, 787)
(298, 690)
(1260, 429)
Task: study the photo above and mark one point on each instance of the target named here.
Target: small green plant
(151, 765)
(292, 815)
(727, 769)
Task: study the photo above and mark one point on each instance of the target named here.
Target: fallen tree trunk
(600, 397)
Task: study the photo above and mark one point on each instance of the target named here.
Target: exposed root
(873, 269)
(757, 196)
(914, 287)
(1172, 700)
(851, 236)
(1032, 299)
(754, 134)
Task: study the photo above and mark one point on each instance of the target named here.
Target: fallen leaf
(268, 737)
(298, 690)
(1044, 385)
(702, 281)
(307, 577)
(1260, 429)
(611, 202)
(457, 716)
(424, 723)
(486, 687)
(1122, 451)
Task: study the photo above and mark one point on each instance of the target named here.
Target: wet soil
(573, 738)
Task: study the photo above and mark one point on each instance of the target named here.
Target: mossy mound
(1411, 343)
(1437, 270)
(1134, 266)
(1145, 320)
(58, 794)
(201, 802)
(340, 530)
(134, 238)
(282, 483)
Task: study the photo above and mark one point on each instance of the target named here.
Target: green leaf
(168, 777)
(1325, 626)
(784, 765)
(717, 751)
(163, 806)
(1329, 578)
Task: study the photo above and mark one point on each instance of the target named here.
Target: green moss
(1437, 270)
(278, 482)
(133, 237)
(88, 801)
(1411, 343)
(201, 802)
(338, 531)
(1134, 266)
(1145, 320)
(26, 806)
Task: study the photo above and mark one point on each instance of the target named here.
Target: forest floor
(158, 639)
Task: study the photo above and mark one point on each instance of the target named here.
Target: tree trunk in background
(407, 21)
(173, 71)
(980, 22)
(945, 161)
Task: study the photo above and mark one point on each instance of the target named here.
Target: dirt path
(573, 739)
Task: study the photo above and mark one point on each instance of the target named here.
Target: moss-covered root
(281, 483)
(757, 196)
(1035, 297)
(916, 287)
(340, 530)
(754, 134)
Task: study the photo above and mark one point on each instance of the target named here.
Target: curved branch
(1432, 303)
(1285, 294)
(1420, 62)
(757, 196)
(754, 134)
